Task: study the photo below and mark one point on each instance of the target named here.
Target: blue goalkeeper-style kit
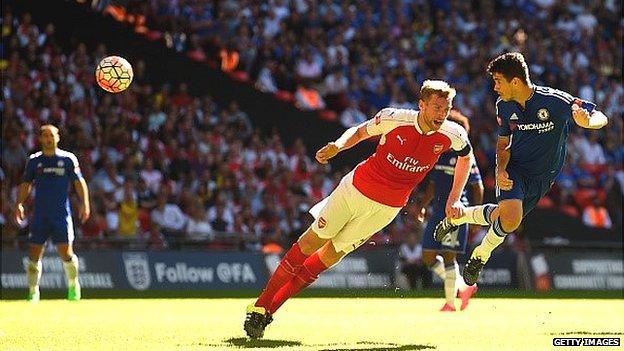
(537, 139)
(51, 177)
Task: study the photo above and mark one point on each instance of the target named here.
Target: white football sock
(480, 215)
(33, 273)
(494, 237)
(438, 268)
(449, 285)
(71, 271)
(459, 283)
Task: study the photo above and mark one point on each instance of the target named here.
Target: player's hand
(326, 152)
(420, 214)
(19, 214)
(455, 209)
(579, 113)
(85, 212)
(502, 180)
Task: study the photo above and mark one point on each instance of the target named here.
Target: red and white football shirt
(404, 155)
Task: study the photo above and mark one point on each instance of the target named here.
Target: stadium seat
(240, 76)
(545, 203)
(584, 197)
(285, 96)
(196, 55)
(328, 115)
(153, 35)
(570, 211)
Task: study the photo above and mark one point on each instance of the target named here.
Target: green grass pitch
(306, 324)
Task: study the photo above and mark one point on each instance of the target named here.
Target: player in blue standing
(50, 171)
(530, 152)
(441, 257)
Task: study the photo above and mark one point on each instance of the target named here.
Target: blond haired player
(369, 197)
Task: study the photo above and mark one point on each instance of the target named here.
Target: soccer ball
(114, 74)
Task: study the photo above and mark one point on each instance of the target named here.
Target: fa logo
(137, 270)
(401, 140)
(543, 114)
(437, 148)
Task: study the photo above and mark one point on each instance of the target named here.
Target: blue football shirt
(51, 177)
(442, 176)
(538, 132)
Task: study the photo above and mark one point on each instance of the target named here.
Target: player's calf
(449, 284)
(481, 254)
(287, 269)
(435, 265)
(312, 268)
(33, 273)
(71, 273)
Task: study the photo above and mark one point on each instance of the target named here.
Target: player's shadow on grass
(269, 343)
(374, 346)
(390, 348)
(250, 343)
(387, 347)
(588, 333)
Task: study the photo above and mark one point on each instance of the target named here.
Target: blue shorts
(60, 229)
(456, 243)
(528, 189)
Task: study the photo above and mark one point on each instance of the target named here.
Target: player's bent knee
(449, 257)
(310, 242)
(33, 267)
(510, 214)
(429, 257)
(510, 224)
(65, 251)
(35, 252)
(495, 214)
(329, 256)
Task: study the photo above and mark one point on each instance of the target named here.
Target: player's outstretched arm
(594, 120)
(348, 139)
(83, 193)
(454, 207)
(22, 194)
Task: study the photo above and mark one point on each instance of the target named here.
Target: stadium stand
(228, 183)
(285, 43)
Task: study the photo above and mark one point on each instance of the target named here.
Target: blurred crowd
(164, 166)
(355, 57)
